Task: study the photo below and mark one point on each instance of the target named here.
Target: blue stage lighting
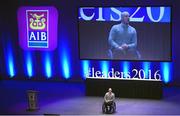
(85, 67)
(166, 71)
(146, 67)
(126, 66)
(48, 70)
(10, 61)
(104, 67)
(65, 65)
(66, 68)
(11, 67)
(29, 65)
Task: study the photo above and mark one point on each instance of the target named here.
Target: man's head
(109, 90)
(125, 17)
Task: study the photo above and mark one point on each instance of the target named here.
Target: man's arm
(105, 98)
(113, 97)
(112, 37)
(133, 43)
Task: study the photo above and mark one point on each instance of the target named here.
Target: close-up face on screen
(125, 33)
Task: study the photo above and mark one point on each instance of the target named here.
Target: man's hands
(108, 101)
(123, 47)
(120, 48)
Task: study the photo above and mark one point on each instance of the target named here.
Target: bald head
(110, 90)
(125, 17)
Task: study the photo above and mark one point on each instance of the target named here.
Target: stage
(66, 98)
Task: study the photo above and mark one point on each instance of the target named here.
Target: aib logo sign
(37, 28)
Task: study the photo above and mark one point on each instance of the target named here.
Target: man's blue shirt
(123, 34)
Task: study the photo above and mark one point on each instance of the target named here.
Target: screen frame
(171, 43)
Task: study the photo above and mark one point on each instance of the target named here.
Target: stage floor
(69, 99)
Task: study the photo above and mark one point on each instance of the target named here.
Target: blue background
(107, 12)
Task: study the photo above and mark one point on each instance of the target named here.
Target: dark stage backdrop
(67, 33)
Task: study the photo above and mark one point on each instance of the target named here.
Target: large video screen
(125, 33)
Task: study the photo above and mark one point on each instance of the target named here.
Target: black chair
(109, 109)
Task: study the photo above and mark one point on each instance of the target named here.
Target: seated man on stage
(109, 99)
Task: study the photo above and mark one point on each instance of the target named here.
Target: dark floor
(69, 98)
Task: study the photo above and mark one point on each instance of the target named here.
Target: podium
(32, 100)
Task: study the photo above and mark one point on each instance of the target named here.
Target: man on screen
(123, 40)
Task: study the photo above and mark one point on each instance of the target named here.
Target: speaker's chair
(111, 108)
